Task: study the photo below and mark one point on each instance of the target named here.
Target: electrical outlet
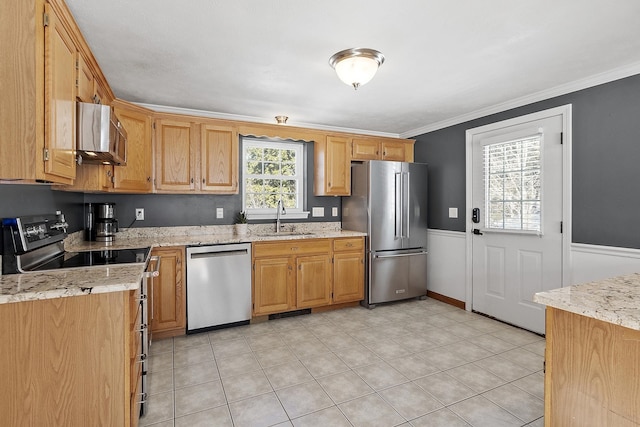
(334, 211)
(219, 213)
(139, 214)
(453, 212)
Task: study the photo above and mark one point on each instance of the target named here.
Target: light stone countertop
(116, 278)
(615, 300)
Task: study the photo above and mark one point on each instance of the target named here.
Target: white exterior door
(517, 193)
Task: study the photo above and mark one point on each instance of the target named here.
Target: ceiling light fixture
(282, 120)
(356, 66)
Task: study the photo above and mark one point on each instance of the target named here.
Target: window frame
(301, 177)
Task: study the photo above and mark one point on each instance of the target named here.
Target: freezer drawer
(397, 275)
(218, 285)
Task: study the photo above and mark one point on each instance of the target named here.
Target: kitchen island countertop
(615, 300)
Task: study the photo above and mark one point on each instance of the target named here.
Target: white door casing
(505, 268)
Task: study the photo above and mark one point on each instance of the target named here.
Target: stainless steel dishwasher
(218, 286)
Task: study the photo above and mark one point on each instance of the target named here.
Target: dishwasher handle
(219, 253)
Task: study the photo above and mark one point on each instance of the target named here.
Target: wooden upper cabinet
(85, 80)
(174, 155)
(60, 100)
(365, 149)
(219, 159)
(136, 175)
(395, 151)
(382, 149)
(332, 166)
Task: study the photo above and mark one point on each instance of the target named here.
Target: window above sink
(272, 171)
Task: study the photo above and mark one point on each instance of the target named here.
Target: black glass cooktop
(95, 258)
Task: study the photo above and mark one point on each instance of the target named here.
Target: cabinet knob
(148, 179)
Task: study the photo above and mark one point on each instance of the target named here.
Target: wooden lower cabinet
(168, 296)
(348, 270)
(70, 361)
(313, 279)
(296, 274)
(592, 373)
(274, 285)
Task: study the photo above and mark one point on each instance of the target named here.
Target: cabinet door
(338, 166)
(167, 293)
(60, 100)
(136, 175)
(85, 80)
(365, 149)
(313, 281)
(348, 277)
(219, 159)
(273, 285)
(174, 155)
(394, 151)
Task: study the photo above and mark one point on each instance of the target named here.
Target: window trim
(301, 162)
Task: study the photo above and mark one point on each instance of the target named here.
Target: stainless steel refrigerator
(389, 202)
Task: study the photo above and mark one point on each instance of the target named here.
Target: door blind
(513, 185)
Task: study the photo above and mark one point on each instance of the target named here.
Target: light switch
(334, 211)
(219, 213)
(318, 211)
(453, 212)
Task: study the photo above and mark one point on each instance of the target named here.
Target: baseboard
(451, 301)
(334, 307)
(168, 334)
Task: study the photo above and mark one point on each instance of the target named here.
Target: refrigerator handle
(406, 205)
(399, 206)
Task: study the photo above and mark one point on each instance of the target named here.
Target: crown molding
(595, 80)
(250, 119)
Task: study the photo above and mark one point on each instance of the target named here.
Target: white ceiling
(255, 59)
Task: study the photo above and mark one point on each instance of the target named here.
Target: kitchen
(604, 110)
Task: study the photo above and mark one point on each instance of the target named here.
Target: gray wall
(606, 163)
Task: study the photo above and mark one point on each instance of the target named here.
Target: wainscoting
(447, 263)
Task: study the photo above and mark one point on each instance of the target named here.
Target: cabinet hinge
(45, 19)
(544, 366)
(46, 154)
(561, 138)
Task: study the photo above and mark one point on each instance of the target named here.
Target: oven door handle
(156, 271)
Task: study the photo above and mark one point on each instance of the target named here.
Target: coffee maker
(102, 224)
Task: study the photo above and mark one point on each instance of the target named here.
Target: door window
(512, 182)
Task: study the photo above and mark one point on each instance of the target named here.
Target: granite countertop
(69, 282)
(116, 278)
(615, 300)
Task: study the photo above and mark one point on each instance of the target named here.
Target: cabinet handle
(148, 179)
(192, 180)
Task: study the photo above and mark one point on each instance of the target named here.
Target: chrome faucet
(279, 210)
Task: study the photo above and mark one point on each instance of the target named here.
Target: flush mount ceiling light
(282, 120)
(356, 66)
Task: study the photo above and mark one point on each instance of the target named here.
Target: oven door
(146, 302)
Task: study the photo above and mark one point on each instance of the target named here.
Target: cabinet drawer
(348, 244)
(291, 247)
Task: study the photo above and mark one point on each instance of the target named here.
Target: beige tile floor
(414, 363)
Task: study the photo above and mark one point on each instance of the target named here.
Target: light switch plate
(318, 211)
(139, 214)
(334, 211)
(453, 212)
(219, 213)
